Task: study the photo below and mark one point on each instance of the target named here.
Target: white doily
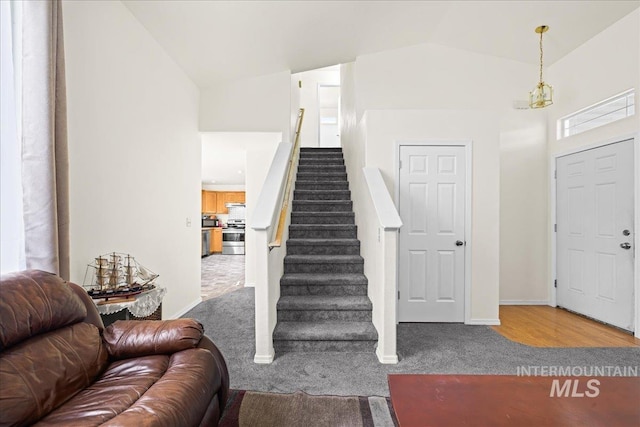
(143, 305)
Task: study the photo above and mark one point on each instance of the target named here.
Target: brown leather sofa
(60, 366)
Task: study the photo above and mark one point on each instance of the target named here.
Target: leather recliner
(60, 366)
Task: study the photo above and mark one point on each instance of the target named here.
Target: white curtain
(12, 253)
(42, 133)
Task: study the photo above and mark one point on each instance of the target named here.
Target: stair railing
(277, 238)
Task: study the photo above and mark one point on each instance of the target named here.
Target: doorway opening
(234, 167)
(318, 92)
(329, 115)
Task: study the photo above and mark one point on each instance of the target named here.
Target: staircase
(323, 302)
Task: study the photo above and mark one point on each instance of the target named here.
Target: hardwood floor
(544, 326)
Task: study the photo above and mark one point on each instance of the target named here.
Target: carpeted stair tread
(335, 290)
(321, 160)
(307, 246)
(329, 279)
(325, 176)
(314, 172)
(294, 346)
(320, 231)
(320, 168)
(347, 214)
(320, 213)
(322, 242)
(320, 150)
(325, 195)
(324, 302)
(323, 227)
(323, 259)
(324, 185)
(325, 331)
(322, 206)
(318, 159)
(322, 202)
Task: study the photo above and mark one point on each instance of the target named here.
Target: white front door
(595, 218)
(432, 208)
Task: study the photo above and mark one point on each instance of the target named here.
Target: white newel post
(264, 220)
(386, 258)
(386, 350)
(264, 337)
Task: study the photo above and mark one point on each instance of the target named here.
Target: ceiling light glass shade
(541, 96)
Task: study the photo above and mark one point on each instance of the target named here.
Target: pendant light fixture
(542, 95)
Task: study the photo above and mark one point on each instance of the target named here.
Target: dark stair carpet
(323, 302)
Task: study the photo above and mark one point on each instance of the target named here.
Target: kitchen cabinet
(213, 202)
(216, 240)
(225, 197)
(209, 201)
(220, 207)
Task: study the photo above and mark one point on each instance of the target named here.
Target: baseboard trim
(263, 359)
(249, 285)
(186, 309)
(523, 302)
(389, 359)
(493, 322)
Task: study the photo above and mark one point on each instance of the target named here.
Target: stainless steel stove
(233, 237)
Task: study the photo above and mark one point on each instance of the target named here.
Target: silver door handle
(459, 243)
(625, 245)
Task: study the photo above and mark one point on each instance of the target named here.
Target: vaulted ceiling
(214, 41)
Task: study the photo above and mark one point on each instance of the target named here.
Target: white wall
(385, 127)
(371, 141)
(258, 148)
(433, 77)
(430, 76)
(257, 104)
(349, 117)
(523, 208)
(309, 100)
(134, 150)
(604, 66)
(294, 107)
(223, 187)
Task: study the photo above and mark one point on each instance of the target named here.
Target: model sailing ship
(117, 275)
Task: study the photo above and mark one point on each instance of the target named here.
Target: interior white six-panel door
(432, 200)
(595, 218)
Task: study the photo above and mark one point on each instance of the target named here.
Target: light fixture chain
(541, 56)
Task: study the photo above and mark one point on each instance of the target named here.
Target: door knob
(625, 245)
(459, 243)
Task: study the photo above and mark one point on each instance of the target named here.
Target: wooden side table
(144, 306)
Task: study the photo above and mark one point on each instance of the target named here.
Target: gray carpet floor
(423, 348)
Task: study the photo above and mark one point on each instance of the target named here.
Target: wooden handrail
(277, 241)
